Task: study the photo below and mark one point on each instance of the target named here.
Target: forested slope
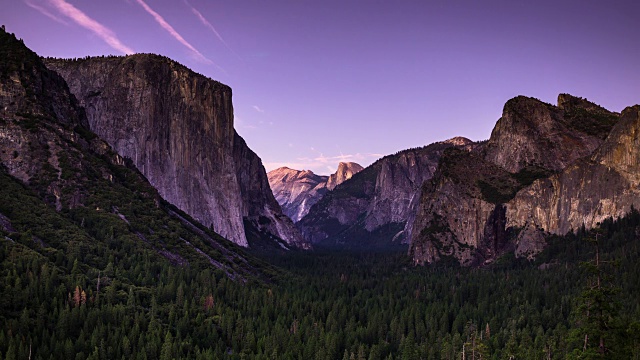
(326, 306)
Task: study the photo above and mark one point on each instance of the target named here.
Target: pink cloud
(44, 12)
(88, 23)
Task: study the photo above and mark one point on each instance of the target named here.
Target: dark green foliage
(496, 192)
(437, 227)
(371, 305)
(595, 122)
(499, 190)
(85, 133)
(13, 54)
(531, 173)
(478, 177)
(596, 335)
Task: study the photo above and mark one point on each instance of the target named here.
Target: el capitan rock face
(177, 128)
(533, 176)
(375, 204)
(64, 187)
(297, 190)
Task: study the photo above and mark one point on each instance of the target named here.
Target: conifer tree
(597, 308)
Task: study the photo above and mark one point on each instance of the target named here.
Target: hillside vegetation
(326, 305)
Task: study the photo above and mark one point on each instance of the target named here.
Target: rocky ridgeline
(545, 170)
(297, 190)
(542, 171)
(177, 128)
(604, 184)
(376, 203)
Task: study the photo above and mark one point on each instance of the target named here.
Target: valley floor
(325, 304)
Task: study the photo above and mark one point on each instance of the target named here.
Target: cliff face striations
(177, 128)
(260, 208)
(297, 190)
(537, 173)
(533, 133)
(65, 191)
(376, 203)
(602, 185)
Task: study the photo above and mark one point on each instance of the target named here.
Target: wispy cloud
(258, 109)
(334, 160)
(165, 25)
(207, 24)
(88, 23)
(44, 12)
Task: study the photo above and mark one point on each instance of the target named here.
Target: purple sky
(318, 82)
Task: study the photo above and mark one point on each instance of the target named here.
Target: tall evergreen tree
(597, 310)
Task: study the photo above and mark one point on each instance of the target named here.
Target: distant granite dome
(297, 190)
(345, 171)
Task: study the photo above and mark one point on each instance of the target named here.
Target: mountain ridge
(532, 144)
(377, 200)
(297, 190)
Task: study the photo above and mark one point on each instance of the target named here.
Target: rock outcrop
(375, 204)
(524, 181)
(260, 208)
(345, 171)
(177, 128)
(533, 133)
(297, 190)
(459, 213)
(603, 185)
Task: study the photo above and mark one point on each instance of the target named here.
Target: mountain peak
(458, 141)
(569, 102)
(534, 133)
(345, 171)
(297, 190)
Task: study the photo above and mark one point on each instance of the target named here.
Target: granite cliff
(375, 204)
(297, 190)
(65, 191)
(177, 128)
(592, 189)
(505, 195)
(533, 133)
